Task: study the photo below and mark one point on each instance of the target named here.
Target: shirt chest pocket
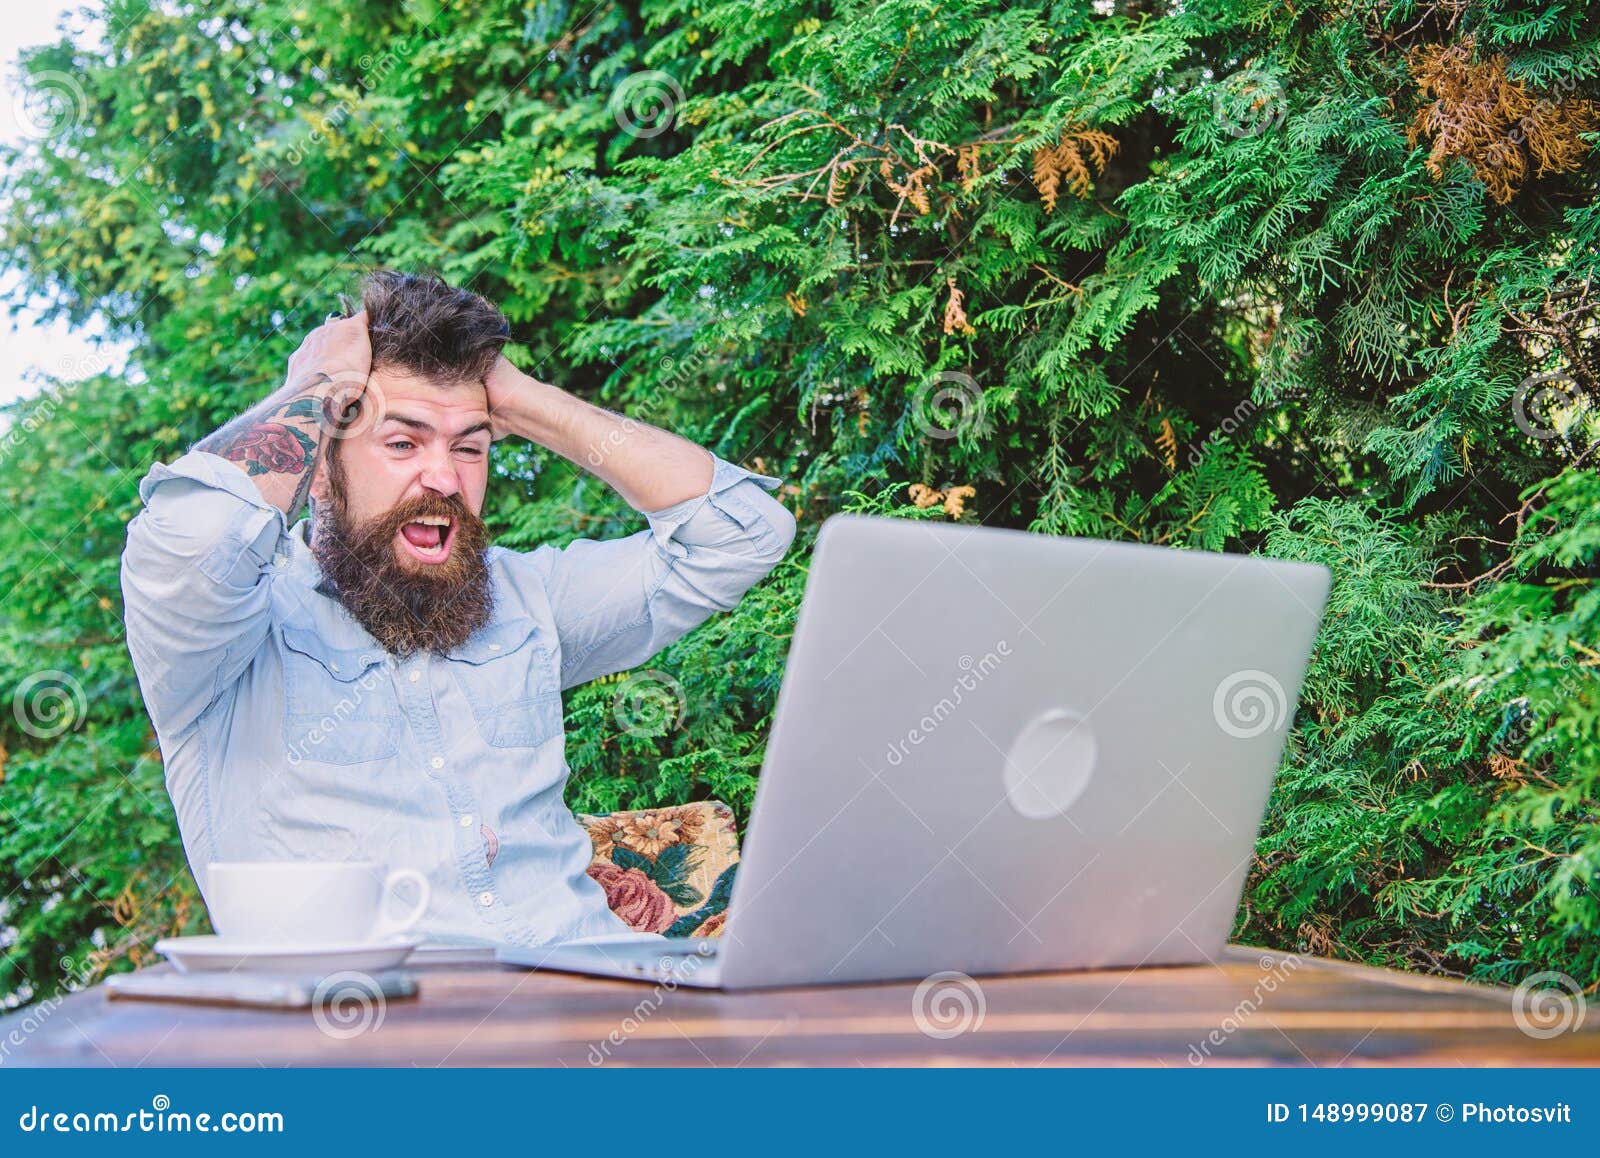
(339, 704)
(507, 674)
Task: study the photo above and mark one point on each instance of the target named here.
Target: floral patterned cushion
(667, 870)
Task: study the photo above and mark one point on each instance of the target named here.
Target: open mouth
(428, 538)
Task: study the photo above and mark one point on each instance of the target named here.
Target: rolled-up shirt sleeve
(197, 609)
(617, 602)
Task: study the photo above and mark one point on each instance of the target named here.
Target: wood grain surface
(1254, 1007)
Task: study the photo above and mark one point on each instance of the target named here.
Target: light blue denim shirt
(287, 732)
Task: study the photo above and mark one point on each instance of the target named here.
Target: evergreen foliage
(1314, 280)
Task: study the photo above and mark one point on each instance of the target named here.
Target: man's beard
(423, 607)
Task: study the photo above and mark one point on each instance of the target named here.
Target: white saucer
(209, 953)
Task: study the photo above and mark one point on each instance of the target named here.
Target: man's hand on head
(278, 442)
(334, 362)
(508, 392)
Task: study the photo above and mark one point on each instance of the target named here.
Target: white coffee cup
(308, 902)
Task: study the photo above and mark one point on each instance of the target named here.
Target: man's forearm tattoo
(277, 438)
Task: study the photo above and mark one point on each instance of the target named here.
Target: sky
(28, 346)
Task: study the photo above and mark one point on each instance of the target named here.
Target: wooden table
(1254, 1008)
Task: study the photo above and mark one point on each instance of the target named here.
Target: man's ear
(319, 476)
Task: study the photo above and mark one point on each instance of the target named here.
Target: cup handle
(389, 927)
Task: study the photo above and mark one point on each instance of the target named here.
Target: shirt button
(466, 821)
(415, 676)
(486, 899)
(437, 761)
(494, 647)
(333, 665)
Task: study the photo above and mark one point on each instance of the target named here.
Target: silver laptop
(996, 752)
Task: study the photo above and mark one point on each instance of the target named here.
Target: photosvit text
(1467, 1113)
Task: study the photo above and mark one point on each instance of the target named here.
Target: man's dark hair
(421, 324)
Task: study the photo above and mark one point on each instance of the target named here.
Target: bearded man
(376, 682)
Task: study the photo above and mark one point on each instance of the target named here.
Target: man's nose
(440, 477)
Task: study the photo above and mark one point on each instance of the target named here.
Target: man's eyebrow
(427, 427)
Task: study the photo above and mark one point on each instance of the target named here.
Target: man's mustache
(432, 503)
